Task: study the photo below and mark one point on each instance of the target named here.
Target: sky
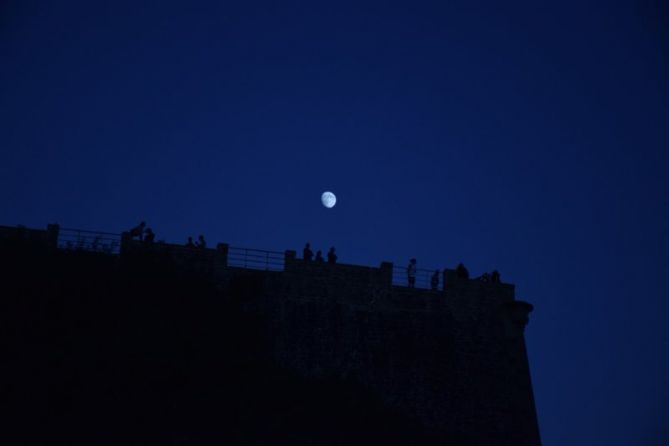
(527, 137)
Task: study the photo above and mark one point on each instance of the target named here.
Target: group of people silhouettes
(492, 277)
(411, 276)
(460, 273)
(200, 244)
(142, 233)
(145, 234)
(308, 255)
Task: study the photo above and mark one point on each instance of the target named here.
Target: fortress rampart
(452, 358)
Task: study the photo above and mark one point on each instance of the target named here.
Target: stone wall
(452, 359)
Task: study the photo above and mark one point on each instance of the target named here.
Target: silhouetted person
(137, 231)
(149, 236)
(307, 254)
(319, 256)
(494, 278)
(332, 257)
(411, 273)
(434, 282)
(485, 278)
(189, 243)
(200, 242)
(461, 272)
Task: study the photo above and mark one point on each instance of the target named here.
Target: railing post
(125, 242)
(53, 231)
(448, 278)
(222, 253)
(289, 260)
(387, 273)
(81, 242)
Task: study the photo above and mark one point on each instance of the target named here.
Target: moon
(328, 199)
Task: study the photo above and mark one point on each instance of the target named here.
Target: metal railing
(258, 259)
(93, 241)
(423, 277)
(255, 259)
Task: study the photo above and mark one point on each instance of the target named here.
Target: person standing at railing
(319, 256)
(149, 236)
(461, 272)
(201, 243)
(96, 243)
(332, 257)
(434, 282)
(411, 273)
(307, 254)
(190, 244)
(137, 231)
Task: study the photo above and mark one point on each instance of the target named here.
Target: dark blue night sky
(531, 138)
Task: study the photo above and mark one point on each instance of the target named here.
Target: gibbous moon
(328, 199)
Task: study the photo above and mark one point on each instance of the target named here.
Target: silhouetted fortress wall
(454, 359)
